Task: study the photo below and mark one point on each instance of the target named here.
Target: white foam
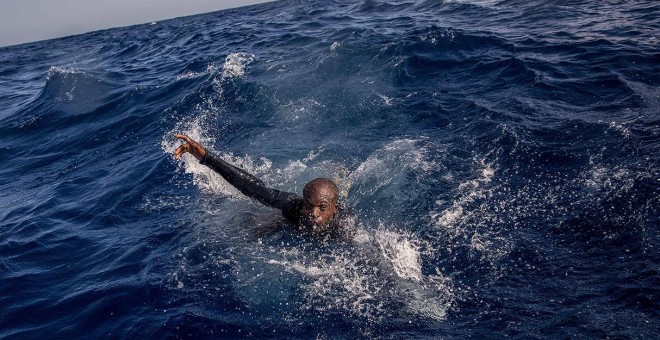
(64, 72)
(336, 281)
(435, 37)
(235, 64)
(403, 253)
(312, 155)
(622, 128)
(295, 166)
(614, 179)
(471, 190)
(387, 100)
(354, 282)
(55, 70)
(210, 69)
(431, 295)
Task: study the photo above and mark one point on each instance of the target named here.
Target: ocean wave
(493, 153)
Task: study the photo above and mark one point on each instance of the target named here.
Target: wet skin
(320, 205)
(190, 146)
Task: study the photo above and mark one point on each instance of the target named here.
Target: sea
(500, 157)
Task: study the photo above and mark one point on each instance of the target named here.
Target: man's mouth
(312, 224)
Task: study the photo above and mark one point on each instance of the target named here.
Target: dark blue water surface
(501, 157)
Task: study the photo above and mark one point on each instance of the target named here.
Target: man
(317, 212)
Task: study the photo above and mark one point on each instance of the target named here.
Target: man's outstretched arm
(245, 182)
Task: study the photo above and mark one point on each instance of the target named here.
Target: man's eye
(324, 207)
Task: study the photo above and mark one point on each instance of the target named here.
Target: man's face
(319, 207)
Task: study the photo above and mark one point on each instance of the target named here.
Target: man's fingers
(180, 151)
(184, 147)
(191, 146)
(184, 137)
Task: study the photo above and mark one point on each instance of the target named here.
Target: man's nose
(315, 212)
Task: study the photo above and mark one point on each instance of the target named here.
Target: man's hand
(191, 146)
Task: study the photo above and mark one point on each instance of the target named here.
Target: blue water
(501, 157)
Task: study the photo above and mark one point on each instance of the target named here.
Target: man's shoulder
(292, 209)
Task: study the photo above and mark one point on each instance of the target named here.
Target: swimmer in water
(318, 212)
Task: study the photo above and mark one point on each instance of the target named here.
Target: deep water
(501, 158)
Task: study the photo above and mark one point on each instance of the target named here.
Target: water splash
(402, 252)
(235, 64)
(389, 163)
(198, 128)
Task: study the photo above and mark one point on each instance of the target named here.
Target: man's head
(320, 202)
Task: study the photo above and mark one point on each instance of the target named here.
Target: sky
(24, 21)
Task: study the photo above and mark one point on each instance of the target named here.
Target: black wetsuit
(289, 203)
